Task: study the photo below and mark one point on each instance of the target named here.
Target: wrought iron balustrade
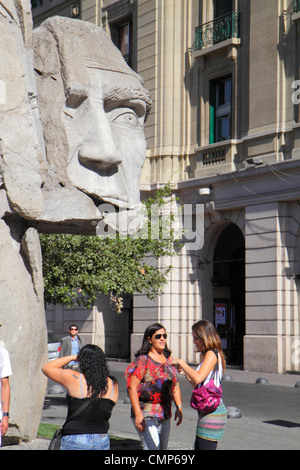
(214, 156)
(36, 3)
(296, 6)
(218, 30)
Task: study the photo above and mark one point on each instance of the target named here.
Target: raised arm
(196, 377)
(54, 370)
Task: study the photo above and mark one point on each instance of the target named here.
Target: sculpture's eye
(125, 117)
(73, 104)
(76, 94)
(74, 100)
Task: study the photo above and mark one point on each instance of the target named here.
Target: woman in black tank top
(91, 385)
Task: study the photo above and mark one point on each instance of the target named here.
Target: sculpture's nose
(95, 155)
(99, 150)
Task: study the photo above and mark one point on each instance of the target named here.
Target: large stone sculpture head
(93, 108)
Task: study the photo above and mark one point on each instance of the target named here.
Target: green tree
(77, 267)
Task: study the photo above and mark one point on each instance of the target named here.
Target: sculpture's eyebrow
(120, 94)
(76, 93)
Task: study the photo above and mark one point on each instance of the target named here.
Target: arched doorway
(229, 292)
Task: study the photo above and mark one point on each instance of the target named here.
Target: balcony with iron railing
(218, 30)
(295, 7)
(215, 158)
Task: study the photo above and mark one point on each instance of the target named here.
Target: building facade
(224, 129)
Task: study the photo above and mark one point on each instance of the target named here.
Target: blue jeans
(85, 442)
(156, 434)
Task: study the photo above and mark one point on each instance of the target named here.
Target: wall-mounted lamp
(254, 161)
(206, 191)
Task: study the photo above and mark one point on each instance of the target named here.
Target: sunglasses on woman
(158, 336)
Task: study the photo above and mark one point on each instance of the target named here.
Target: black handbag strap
(76, 413)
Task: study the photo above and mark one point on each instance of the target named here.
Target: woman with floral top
(152, 384)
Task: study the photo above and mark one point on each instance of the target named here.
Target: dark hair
(73, 324)
(93, 365)
(146, 346)
(206, 331)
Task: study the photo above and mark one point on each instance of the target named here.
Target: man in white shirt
(5, 372)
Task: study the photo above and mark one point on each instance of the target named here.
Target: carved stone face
(93, 108)
(104, 128)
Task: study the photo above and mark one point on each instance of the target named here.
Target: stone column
(21, 285)
(262, 277)
(24, 327)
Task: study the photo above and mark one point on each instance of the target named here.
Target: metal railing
(36, 3)
(218, 30)
(214, 156)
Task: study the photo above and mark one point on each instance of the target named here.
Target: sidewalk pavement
(180, 438)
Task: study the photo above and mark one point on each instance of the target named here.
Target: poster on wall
(220, 314)
(221, 311)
